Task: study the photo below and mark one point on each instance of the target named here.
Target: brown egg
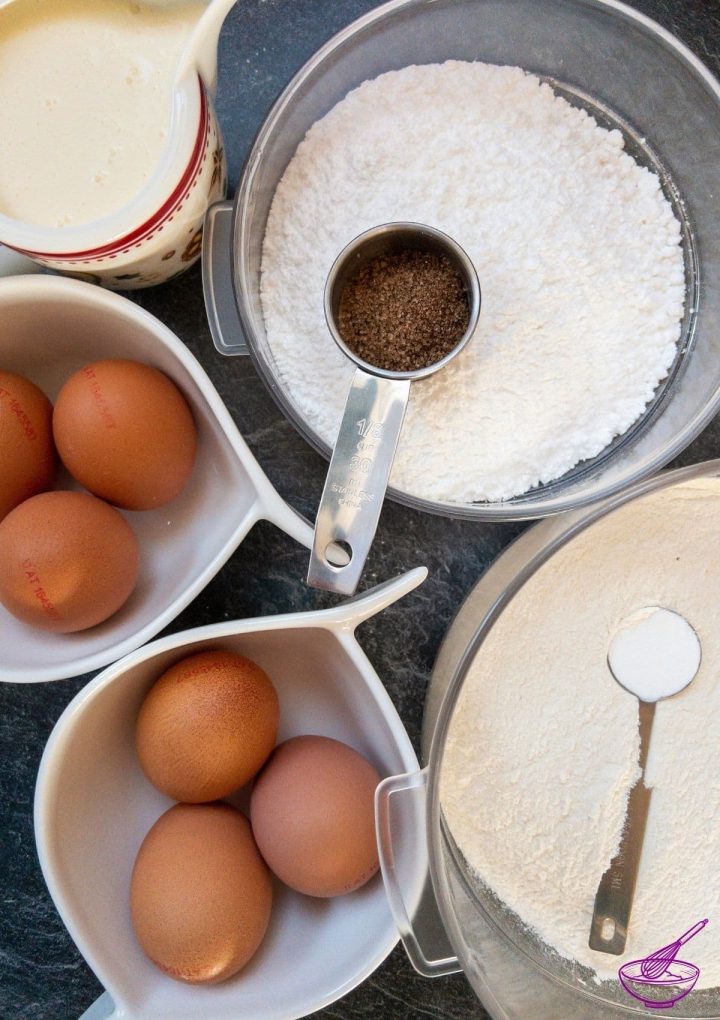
(125, 432)
(200, 894)
(27, 454)
(313, 816)
(67, 561)
(206, 726)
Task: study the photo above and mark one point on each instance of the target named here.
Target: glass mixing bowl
(514, 974)
(622, 67)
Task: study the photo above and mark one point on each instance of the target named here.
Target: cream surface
(543, 745)
(86, 98)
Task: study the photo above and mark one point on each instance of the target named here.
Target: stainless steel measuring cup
(365, 447)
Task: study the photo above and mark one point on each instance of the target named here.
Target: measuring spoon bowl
(653, 655)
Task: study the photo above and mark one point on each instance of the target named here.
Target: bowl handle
(400, 809)
(222, 313)
(351, 613)
(103, 1009)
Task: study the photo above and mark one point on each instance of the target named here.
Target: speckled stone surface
(42, 976)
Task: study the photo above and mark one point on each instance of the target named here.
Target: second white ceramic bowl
(93, 807)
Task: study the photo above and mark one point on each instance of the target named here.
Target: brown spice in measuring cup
(405, 311)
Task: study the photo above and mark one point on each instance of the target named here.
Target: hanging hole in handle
(338, 554)
(607, 932)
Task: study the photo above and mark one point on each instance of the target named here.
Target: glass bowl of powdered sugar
(571, 148)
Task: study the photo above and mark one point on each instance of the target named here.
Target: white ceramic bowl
(93, 806)
(49, 327)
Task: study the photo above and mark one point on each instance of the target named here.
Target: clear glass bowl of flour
(600, 56)
(532, 747)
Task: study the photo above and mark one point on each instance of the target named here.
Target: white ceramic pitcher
(158, 234)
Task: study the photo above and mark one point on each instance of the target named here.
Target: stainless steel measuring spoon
(654, 654)
(365, 447)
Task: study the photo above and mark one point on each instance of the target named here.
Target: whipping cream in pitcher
(86, 101)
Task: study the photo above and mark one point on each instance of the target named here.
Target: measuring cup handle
(356, 481)
(400, 813)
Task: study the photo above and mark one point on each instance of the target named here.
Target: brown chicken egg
(313, 816)
(125, 432)
(27, 453)
(67, 561)
(200, 893)
(206, 726)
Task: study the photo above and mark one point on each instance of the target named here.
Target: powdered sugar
(543, 745)
(576, 247)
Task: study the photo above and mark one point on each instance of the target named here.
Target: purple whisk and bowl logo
(660, 979)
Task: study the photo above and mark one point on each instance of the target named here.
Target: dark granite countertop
(42, 976)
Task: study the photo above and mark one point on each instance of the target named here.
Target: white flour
(576, 248)
(543, 745)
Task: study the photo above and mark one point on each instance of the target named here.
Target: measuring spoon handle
(356, 481)
(616, 891)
